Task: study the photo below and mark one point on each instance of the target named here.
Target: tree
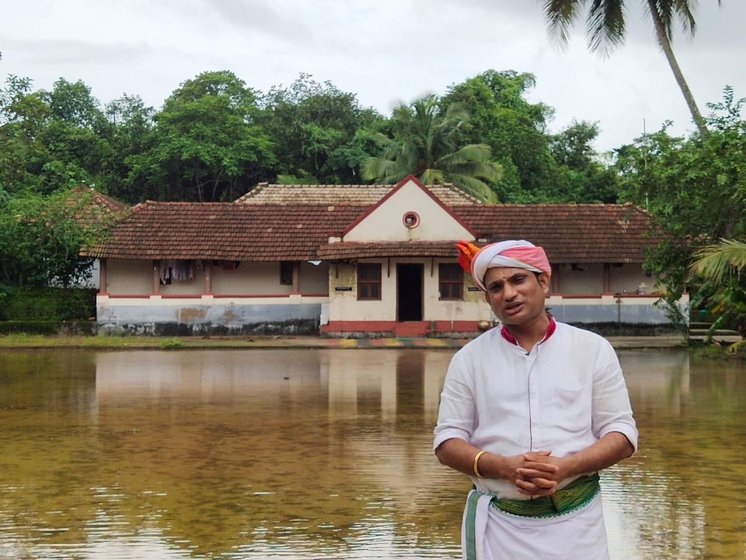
(606, 26)
(76, 137)
(319, 131)
(41, 238)
(716, 262)
(722, 264)
(424, 144)
(207, 144)
(513, 128)
(583, 176)
(22, 150)
(132, 138)
(693, 188)
(50, 140)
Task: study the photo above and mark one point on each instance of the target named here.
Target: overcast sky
(384, 51)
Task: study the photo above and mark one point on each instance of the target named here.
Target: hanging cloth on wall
(176, 271)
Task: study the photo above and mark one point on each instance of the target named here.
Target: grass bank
(35, 341)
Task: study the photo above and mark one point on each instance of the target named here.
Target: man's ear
(543, 280)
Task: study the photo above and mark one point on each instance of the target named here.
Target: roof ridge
(551, 205)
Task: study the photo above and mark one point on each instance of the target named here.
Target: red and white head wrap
(511, 254)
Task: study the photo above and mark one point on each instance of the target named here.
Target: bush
(30, 327)
(49, 304)
(69, 328)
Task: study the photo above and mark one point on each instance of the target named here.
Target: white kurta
(562, 397)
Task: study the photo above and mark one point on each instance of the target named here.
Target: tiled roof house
(354, 260)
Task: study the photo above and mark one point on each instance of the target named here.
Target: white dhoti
(490, 534)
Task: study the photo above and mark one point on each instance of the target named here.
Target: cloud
(74, 52)
(383, 51)
(263, 17)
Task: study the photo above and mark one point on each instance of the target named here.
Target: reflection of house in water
(386, 377)
(675, 497)
(351, 381)
(348, 431)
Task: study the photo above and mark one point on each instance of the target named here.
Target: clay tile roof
(94, 208)
(224, 231)
(101, 200)
(348, 195)
(583, 233)
(569, 233)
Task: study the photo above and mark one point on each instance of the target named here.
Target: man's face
(516, 295)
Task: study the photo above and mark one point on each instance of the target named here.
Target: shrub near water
(30, 327)
(49, 304)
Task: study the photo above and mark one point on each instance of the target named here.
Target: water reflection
(677, 496)
(320, 454)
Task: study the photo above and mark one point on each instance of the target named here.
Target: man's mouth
(513, 308)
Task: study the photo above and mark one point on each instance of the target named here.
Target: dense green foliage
(695, 191)
(41, 238)
(215, 138)
(49, 304)
(513, 128)
(424, 143)
(320, 134)
(722, 266)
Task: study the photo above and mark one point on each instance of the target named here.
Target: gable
(408, 213)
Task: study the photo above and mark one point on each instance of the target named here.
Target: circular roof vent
(411, 220)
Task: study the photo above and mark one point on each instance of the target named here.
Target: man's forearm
(607, 451)
(457, 454)
(462, 456)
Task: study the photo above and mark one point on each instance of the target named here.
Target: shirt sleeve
(612, 411)
(457, 406)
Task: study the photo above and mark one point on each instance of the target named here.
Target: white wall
(628, 277)
(472, 308)
(344, 306)
(589, 281)
(128, 277)
(385, 222)
(250, 278)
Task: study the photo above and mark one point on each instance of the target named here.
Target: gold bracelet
(476, 463)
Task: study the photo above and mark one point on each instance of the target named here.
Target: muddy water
(302, 454)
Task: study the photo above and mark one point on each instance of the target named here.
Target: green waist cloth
(576, 494)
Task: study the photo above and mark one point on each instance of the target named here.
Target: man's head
(515, 278)
(514, 254)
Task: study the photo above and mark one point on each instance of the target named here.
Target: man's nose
(509, 291)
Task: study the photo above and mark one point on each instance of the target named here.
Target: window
(451, 281)
(411, 220)
(369, 281)
(286, 273)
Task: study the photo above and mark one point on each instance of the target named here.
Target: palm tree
(722, 264)
(424, 144)
(605, 23)
(716, 262)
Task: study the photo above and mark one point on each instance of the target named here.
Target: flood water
(299, 454)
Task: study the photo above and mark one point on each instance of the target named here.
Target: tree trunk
(665, 44)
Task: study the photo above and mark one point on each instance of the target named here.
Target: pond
(301, 454)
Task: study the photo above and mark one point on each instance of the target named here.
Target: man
(531, 411)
